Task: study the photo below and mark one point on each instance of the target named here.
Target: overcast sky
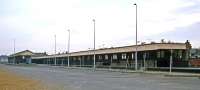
(33, 23)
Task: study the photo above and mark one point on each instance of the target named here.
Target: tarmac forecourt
(166, 73)
(77, 78)
(13, 81)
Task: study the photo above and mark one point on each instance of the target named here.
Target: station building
(23, 57)
(149, 55)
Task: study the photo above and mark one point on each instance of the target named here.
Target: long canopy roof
(132, 48)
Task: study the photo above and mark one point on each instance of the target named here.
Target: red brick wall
(195, 62)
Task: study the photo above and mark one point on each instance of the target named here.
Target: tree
(162, 40)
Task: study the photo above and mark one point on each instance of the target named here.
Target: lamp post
(14, 53)
(55, 50)
(94, 44)
(144, 62)
(89, 53)
(171, 62)
(136, 61)
(68, 47)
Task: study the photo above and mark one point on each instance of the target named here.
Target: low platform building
(149, 55)
(23, 57)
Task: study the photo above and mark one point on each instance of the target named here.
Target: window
(106, 57)
(79, 58)
(158, 54)
(23, 57)
(88, 57)
(133, 55)
(100, 57)
(176, 54)
(180, 54)
(114, 56)
(162, 54)
(124, 56)
(144, 55)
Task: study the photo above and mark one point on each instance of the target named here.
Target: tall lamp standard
(68, 47)
(14, 53)
(171, 62)
(55, 50)
(136, 61)
(94, 44)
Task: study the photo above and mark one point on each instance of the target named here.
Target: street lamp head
(135, 4)
(93, 20)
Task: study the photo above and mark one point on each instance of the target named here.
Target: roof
(3, 56)
(132, 48)
(39, 54)
(23, 53)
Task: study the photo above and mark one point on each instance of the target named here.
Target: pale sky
(33, 23)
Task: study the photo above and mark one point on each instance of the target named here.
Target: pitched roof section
(23, 53)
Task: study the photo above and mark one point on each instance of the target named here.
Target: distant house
(23, 57)
(195, 53)
(3, 59)
(195, 57)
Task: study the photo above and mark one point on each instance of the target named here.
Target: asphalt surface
(76, 79)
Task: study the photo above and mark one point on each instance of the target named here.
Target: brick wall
(195, 62)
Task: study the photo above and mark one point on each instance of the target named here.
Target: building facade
(3, 59)
(195, 57)
(149, 55)
(23, 57)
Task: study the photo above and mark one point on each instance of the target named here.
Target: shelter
(149, 55)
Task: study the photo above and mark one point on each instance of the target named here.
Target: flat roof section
(132, 48)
